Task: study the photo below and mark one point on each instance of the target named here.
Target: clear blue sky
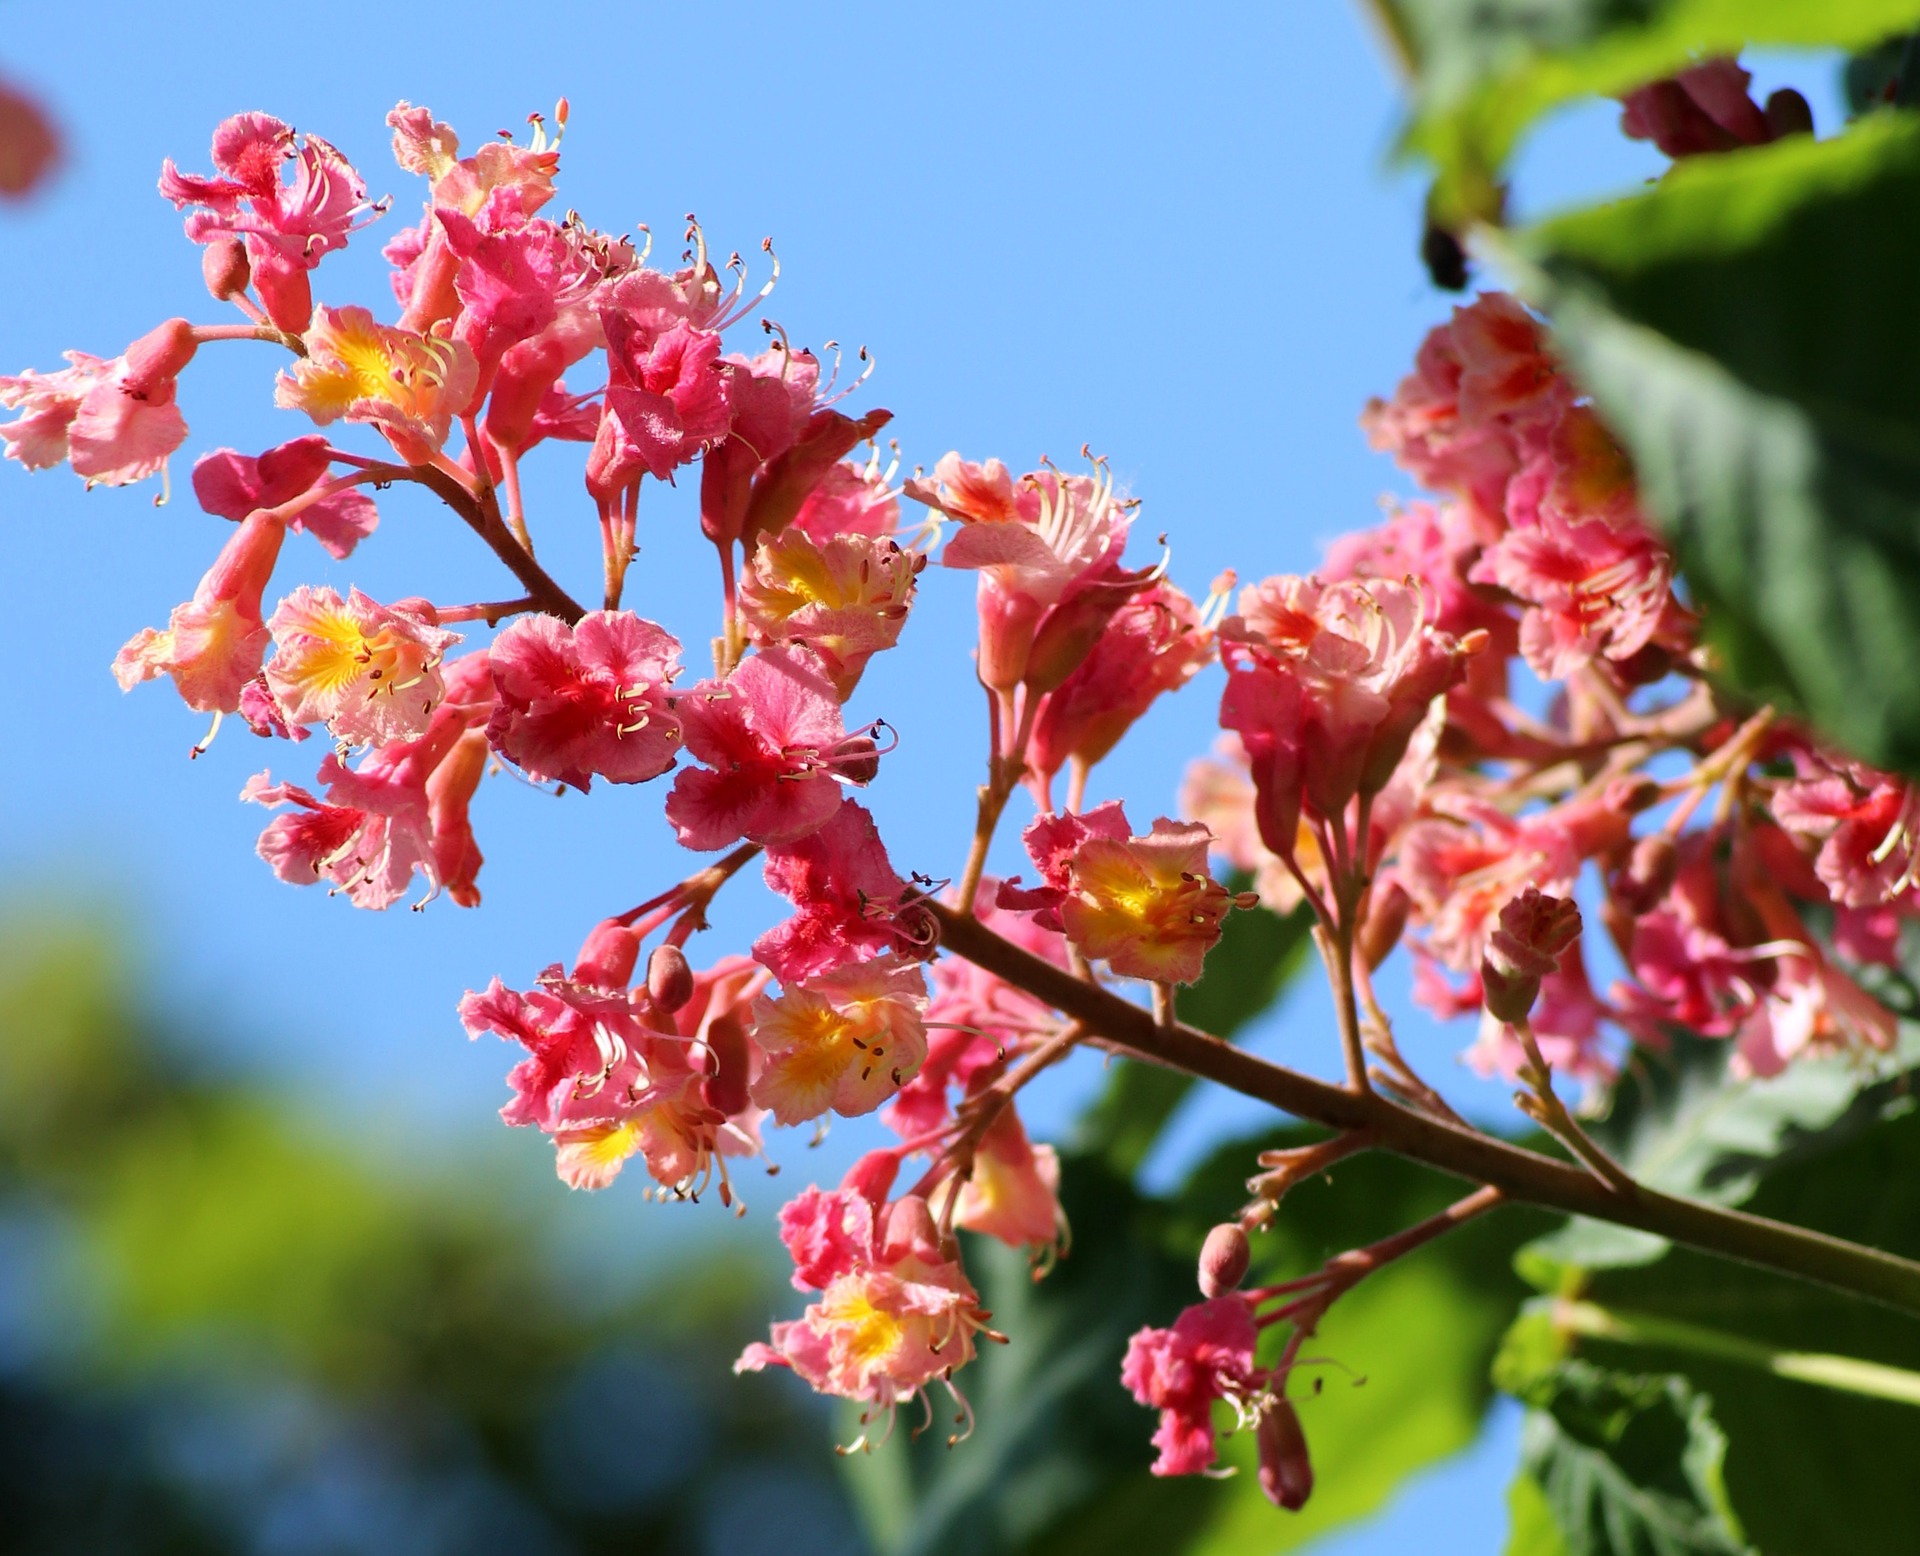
(1169, 232)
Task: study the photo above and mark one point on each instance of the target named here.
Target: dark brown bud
(1223, 1259)
(669, 978)
(224, 264)
(1286, 1473)
(1788, 113)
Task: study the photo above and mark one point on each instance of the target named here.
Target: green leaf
(1258, 956)
(1058, 1462)
(1810, 1469)
(1746, 327)
(1629, 1465)
(1534, 1531)
(1487, 69)
(1687, 1125)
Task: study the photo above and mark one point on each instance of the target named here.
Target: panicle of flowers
(1481, 727)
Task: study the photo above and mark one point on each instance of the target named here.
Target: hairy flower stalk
(1377, 762)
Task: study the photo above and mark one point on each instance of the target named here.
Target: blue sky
(1169, 232)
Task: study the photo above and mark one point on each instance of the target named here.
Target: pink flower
(1144, 905)
(1326, 684)
(592, 698)
(845, 1040)
(1155, 643)
(368, 836)
(1480, 399)
(1863, 820)
(1463, 864)
(851, 499)
(1048, 555)
(1591, 590)
(369, 672)
(1012, 1192)
(393, 815)
(231, 485)
(898, 1313)
(845, 597)
(773, 741)
(1810, 1007)
(212, 645)
(668, 398)
(409, 386)
(846, 896)
(783, 446)
(1567, 1026)
(287, 227)
(516, 274)
(432, 149)
(1206, 1355)
(116, 422)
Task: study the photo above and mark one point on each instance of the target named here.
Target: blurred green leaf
(1534, 1531)
(1058, 1462)
(1628, 1465)
(1686, 1124)
(1259, 954)
(1484, 70)
(1746, 327)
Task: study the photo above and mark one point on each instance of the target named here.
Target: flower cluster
(1478, 714)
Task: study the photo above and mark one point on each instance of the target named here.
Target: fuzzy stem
(1552, 1114)
(1521, 1174)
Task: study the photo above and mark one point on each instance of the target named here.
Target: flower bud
(857, 759)
(607, 958)
(157, 358)
(669, 978)
(1385, 922)
(1534, 930)
(1648, 873)
(1223, 1259)
(1286, 1473)
(224, 265)
(726, 1087)
(1788, 113)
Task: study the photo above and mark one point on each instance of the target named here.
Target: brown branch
(1521, 1174)
(485, 521)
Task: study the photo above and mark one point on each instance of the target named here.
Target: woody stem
(485, 521)
(1521, 1174)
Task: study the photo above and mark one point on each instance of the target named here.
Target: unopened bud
(224, 264)
(1534, 930)
(669, 978)
(1788, 113)
(607, 958)
(1385, 922)
(157, 358)
(1648, 873)
(858, 759)
(1224, 1257)
(726, 1087)
(1286, 1472)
